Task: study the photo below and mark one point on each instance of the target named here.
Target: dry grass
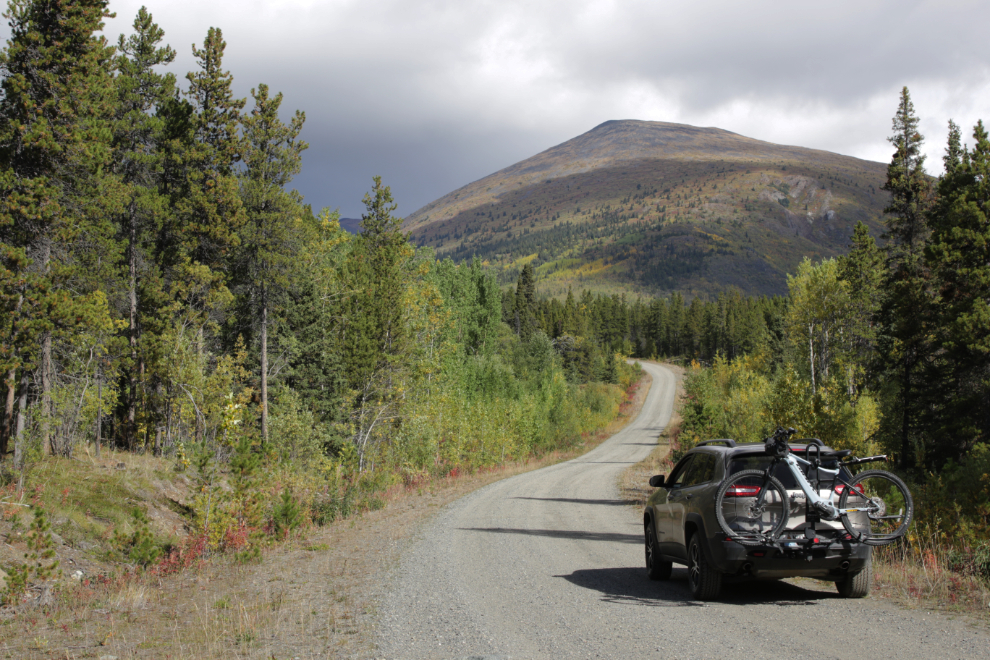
(917, 575)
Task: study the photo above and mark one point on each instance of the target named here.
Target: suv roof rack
(727, 443)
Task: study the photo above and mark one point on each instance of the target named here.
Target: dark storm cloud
(433, 95)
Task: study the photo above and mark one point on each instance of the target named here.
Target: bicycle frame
(825, 505)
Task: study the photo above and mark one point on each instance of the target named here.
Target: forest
(164, 292)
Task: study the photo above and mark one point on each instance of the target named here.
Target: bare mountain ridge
(652, 207)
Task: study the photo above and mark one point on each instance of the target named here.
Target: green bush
(41, 563)
(327, 508)
(140, 546)
(286, 515)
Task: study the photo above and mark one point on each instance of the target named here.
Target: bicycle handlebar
(776, 444)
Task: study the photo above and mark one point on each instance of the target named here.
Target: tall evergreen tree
(374, 336)
(138, 134)
(904, 340)
(862, 271)
(206, 201)
(524, 309)
(272, 155)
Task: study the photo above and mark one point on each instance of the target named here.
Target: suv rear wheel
(858, 584)
(704, 581)
(656, 567)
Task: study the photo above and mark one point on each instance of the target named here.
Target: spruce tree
(272, 235)
(904, 337)
(373, 335)
(138, 137)
(206, 195)
(862, 270)
(524, 313)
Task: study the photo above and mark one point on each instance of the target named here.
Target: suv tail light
(841, 487)
(743, 491)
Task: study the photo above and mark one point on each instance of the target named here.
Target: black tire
(656, 567)
(857, 585)
(703, 580)
(890, 503)
(737, 515)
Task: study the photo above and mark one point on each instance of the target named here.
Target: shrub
(140, 546)
(287, 515)
(41, 562)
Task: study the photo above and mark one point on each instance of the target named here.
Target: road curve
(549, 564)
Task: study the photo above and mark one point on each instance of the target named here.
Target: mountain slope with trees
(652, 207)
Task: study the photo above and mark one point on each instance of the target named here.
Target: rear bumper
(826, 561)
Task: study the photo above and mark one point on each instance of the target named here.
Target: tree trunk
(8, 413)
(264, 367)
(132, 331)
(19, 438)
(811, 356)
(46, 365)
(99, 410)
(906, 460)
(8, 409)
(47, 439)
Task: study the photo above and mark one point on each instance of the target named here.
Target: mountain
(351, 225)
(654, 207)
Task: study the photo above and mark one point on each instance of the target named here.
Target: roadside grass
(317, 590)
(87, 499)
(927, 573)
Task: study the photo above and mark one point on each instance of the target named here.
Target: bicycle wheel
(885, 503)
(744, 516)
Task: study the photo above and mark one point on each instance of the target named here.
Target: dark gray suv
(681, 527)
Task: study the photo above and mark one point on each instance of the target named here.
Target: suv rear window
(702, 470)
(783, 474)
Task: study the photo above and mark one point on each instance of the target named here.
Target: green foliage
(245, 467)
(140, 546)
(296, 436)
(287, 515)
(818, 310)
(331, 506)
(743, 401)
(274, 231)
(40, 563)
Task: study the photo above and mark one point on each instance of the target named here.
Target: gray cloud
(434, 95)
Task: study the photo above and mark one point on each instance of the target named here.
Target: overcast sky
(434, 94)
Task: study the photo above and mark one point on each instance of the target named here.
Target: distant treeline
(731, 325)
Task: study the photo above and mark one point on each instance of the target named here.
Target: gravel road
(549, 564)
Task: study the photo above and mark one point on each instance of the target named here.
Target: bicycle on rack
(874, 506)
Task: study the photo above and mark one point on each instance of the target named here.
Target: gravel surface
(549, 564)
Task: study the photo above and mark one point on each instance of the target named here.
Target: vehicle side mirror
(656, 481)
